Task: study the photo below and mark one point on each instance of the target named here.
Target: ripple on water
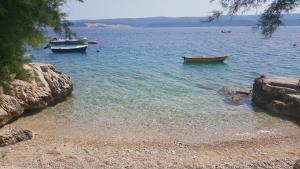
(138, 87)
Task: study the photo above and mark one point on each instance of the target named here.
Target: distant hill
(247, 20)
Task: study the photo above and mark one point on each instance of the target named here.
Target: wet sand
(50, 151)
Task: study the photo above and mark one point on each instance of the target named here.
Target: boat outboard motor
(47, 46)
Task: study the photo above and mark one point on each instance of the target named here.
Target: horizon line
(149, 17)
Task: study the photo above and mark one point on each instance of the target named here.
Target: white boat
(70, 48)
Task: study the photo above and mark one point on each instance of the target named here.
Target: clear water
(137, 86)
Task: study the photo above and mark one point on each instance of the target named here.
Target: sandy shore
(45, 151)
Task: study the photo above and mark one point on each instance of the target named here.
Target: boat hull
(92, 42)
(190, 59)
(69, 50)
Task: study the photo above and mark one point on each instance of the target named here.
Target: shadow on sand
(31, 112)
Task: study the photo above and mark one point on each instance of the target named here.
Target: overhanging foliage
(23, 22)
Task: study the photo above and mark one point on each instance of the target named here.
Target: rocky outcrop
(278, 95)
(13, 136)
(46, 86)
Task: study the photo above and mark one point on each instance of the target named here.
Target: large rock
(47, 86)
(9, 108)
(278, 95)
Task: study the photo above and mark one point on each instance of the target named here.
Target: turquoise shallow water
(137, 86)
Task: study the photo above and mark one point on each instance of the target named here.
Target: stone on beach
(13, 136)
(46, 86)
(279, 95)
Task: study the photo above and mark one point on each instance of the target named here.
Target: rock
(278, 95)
(29, 95)
(10, 137)
(235, 90)
(9, 108)
(205, 87)
(237, 98)
(3, 116)
(297, 165)
(59, 83)
(47, 86)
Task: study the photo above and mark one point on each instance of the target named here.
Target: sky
(109, 9)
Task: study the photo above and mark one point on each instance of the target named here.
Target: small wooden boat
(204, 59)
(64, 49)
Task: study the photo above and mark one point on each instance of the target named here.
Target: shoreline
(78, 146)
(45, 151)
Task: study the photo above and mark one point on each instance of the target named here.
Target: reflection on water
(138, 87)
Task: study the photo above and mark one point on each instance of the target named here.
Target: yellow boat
(204, 59)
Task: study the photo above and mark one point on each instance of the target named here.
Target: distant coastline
(245, 20)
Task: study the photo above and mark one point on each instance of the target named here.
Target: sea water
(137, 86)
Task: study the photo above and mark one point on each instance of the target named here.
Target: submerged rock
(205, 87)
(47, 86)
(236, 90)
(10, 137)
(278, 95)
(236, 96)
